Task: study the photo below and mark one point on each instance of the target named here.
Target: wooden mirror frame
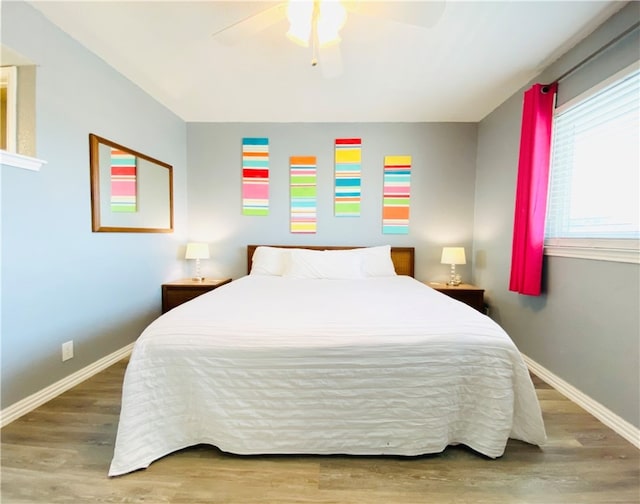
(135, 222)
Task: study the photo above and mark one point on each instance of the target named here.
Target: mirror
(130, 192)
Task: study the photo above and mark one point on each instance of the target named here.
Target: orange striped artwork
(396, 194)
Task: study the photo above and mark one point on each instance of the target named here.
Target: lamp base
(454, 280)
(197, 277)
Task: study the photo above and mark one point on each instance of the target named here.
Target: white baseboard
(605, 415)
(24, 406)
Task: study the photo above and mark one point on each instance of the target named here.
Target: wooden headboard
(403, 257)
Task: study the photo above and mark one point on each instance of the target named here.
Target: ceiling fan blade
(251, 25)
(424, 14)
(330, 61)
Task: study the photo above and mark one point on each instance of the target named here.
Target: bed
(324, 350)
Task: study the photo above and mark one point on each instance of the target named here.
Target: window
(8, 100)
(593, 208)
(17, 114)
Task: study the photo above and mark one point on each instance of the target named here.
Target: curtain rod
(597, 53)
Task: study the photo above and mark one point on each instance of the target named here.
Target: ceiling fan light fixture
(329, 18)
(332, 18)
(299, 15)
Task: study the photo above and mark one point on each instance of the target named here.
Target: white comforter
(277, 365)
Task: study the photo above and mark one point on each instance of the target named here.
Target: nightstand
(181, 291)
(467, 293)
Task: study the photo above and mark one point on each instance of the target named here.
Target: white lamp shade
(197, 251)
(453, 255)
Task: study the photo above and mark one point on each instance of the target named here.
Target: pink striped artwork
(255, 176)
(123, 182)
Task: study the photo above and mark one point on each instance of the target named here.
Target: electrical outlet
(67, 350)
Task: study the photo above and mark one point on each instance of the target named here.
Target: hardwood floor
(60, 453)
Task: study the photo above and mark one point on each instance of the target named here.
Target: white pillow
(269, 261)
(377, 261)
(326, 264)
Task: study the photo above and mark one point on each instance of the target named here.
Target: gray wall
(585, 328)
(442, 189)
(60, 281)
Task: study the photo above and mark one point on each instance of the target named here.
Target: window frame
(602, 249)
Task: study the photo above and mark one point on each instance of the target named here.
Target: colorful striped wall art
(255, 176)
(123, 181)
(303, 194)
(348, 162)
(396, 194)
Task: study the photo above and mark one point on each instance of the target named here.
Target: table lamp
(197, 251)
(453, 256)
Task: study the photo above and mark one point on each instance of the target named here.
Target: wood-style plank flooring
(60, 453)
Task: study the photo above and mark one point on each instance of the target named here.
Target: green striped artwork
(303, 194)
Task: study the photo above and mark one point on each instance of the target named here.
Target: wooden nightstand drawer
(467, 293)
(181, 291)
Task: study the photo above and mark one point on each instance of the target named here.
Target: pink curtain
(531, 191)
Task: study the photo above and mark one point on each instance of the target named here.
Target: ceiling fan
(317, 24)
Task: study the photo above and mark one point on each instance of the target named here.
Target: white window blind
(594, 192)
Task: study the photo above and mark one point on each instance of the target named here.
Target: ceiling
(475, 56)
